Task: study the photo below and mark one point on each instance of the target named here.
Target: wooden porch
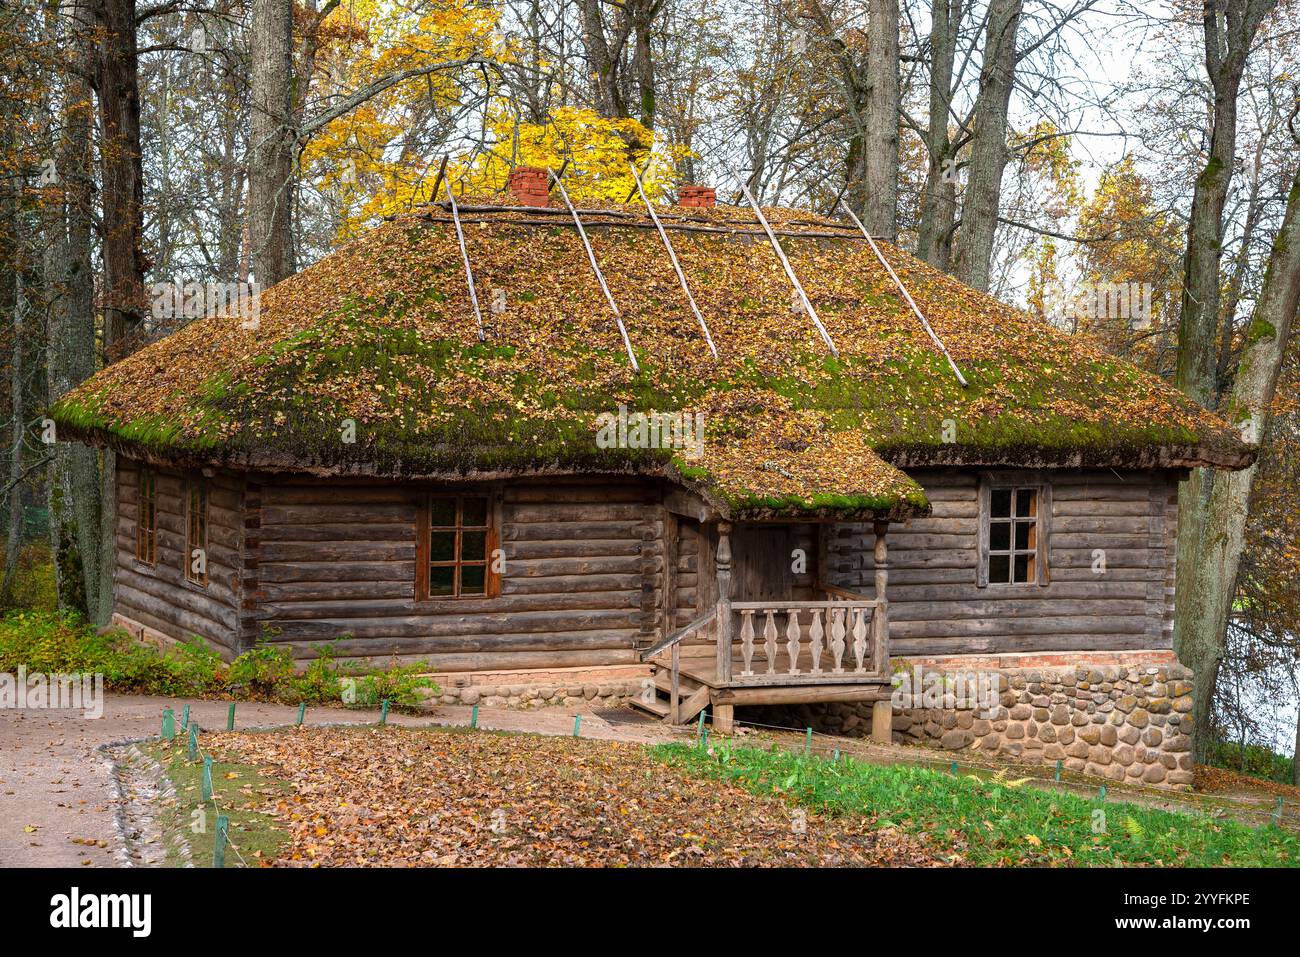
(773, 651)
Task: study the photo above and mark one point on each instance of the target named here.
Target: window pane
(442, 546)
(999, 568)
(440, 579)
(999, 536)
(1026, 502)
(473, 511)
(473, 546)
(1025, 535)
(1024, 568)
(442, 511)
(1000, 503)
(472, 578)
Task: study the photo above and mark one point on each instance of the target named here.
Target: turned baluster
(860, 637)
(769, 642)
(747, 640)
(837, 640)
(792, 636)
(815, 641)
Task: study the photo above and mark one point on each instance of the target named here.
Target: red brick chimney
(703, 196)
(529, 186)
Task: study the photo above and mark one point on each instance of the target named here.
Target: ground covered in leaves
(398, 797)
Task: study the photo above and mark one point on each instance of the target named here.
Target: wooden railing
(807, 642)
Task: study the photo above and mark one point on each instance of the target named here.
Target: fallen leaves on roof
(382, 333)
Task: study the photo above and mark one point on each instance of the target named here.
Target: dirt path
(58, 798)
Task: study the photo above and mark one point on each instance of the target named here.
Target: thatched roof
(382, 332)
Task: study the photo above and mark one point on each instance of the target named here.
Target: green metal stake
(185, 718)
(577, 725)
(1058, 770)
(194, 740)
(207, 778)
(219, 846)
(704, 741)
(1101, 793)
(699, 725)
(473, 717)
(807, 741)
(836, 759)
(953, 770)
(1277, 812)
(168, 724)
(230, 717)
(302, 711)
(383, 711)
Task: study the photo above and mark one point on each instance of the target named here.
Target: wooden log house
(359, 466)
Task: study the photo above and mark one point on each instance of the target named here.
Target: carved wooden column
(722, 569)
(882, 712)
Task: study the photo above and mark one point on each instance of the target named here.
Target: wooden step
(664, 682)
(657, 706)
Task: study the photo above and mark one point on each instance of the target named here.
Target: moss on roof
(381, 332)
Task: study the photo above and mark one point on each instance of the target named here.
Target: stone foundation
(1129, 719)
(600, 687)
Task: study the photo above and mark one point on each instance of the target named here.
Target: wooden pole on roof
(906, 295)
(789, 270)
(464, 256)
(681, 277)
(595, 266)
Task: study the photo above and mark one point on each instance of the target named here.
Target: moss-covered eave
(1230, 456)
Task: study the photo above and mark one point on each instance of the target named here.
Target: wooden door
(761, 563)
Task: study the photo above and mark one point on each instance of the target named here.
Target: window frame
(199, 485)
(146, 532)
(1015, 481)
(423, 545)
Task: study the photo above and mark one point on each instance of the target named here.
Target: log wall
(158, 596)
(936, 607)
(581, 581)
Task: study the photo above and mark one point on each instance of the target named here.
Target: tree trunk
(1205, 602)
(74, 493)
(973, 248)
(880, 121)
(122, 192)
(1229, 28)
(939, 196)
(12, 304)
(270, 151)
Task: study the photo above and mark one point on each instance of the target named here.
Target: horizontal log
(347, 552)
(584, 512)
(1020, 644)
(1042, 625)
(337, 571)
(395, 636)
(338, 514)
(549, 531)
(456, 615)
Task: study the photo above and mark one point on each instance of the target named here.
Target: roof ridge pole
(600, 276)
(934, 337)
(676, 265)
(789, 270)
(464, 255)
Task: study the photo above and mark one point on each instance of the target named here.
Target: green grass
(241, 792)
(57, 643)
(993, 821)
(1252, 759)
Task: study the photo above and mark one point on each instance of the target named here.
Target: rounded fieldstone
(1139, 718)
(1090, 734)
(1060, 714)
(980, 727)
(1015, 731)
(1109, 736)
(1021, 712)
(1152, 737)
(1075, 764)
(1078, 750)
(1100, 755)
(1124, 754)
(1183, 705)
(1065, 735)
(990, 742)
(1154, 774)
(1180, 777)
(956, 739)
(1047, 733)
(1129, 734)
